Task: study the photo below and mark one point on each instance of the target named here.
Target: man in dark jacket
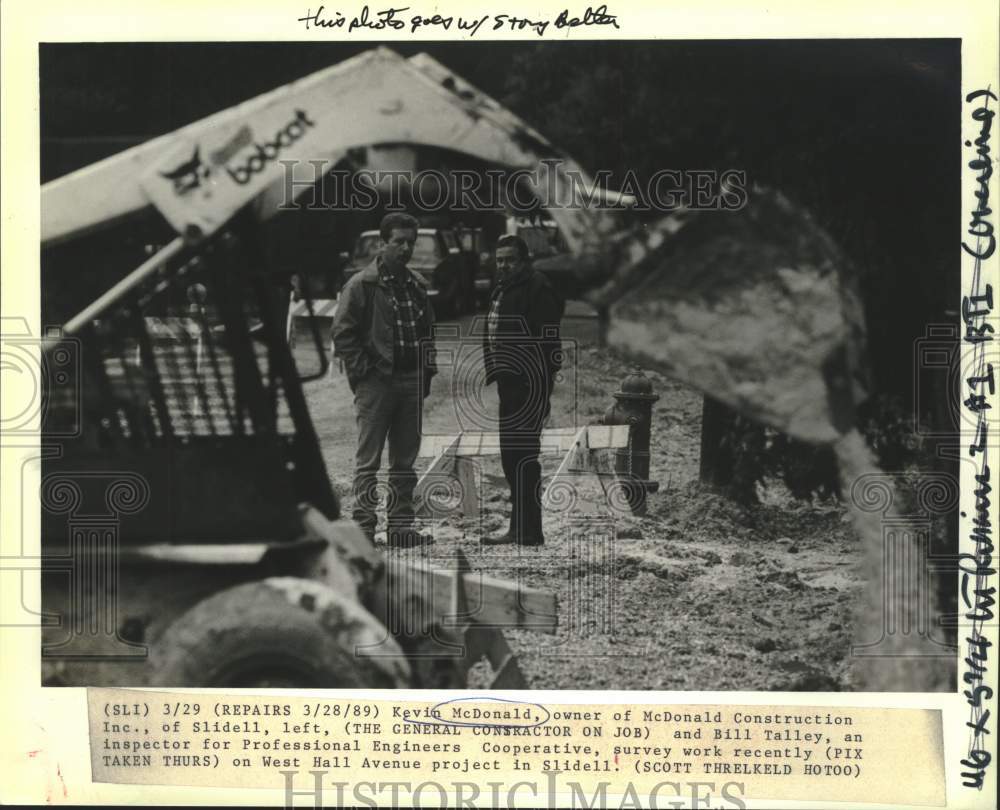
(522, 351)
(382, 332)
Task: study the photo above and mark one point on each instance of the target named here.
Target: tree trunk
(717, 423)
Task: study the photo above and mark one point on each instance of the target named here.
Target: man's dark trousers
(523, 411)
(388, 407)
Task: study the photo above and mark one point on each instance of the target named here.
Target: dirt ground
(699, 594)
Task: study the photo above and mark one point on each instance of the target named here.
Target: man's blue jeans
(389, 408)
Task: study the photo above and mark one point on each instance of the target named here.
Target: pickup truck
(544, 242)
(437, 256)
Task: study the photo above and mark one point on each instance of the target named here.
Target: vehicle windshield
(367, 247)
(426, 249)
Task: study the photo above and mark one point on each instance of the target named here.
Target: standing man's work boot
(408, 538)
(499, 539)
(509, 536)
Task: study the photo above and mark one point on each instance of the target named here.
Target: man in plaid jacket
(382, 332)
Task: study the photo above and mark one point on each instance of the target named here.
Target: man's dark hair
(514, 241)
(396, 220)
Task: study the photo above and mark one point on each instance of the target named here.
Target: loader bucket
(755, 308)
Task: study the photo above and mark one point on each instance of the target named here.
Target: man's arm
(545, 323)
(348, 333)
(489, 377)
(428, 351)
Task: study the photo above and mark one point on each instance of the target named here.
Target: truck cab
(437, 257)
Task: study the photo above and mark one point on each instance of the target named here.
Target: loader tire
(281, 632)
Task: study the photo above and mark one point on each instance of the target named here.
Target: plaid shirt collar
(393, 280)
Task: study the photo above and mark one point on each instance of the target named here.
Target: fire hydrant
(634, 407)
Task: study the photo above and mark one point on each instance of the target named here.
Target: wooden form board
(491, 602)
(452, 456)
(554, 440)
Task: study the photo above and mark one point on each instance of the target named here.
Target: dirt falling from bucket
(897, 602)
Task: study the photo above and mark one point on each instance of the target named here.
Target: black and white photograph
(481, 406)
(589, 365)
